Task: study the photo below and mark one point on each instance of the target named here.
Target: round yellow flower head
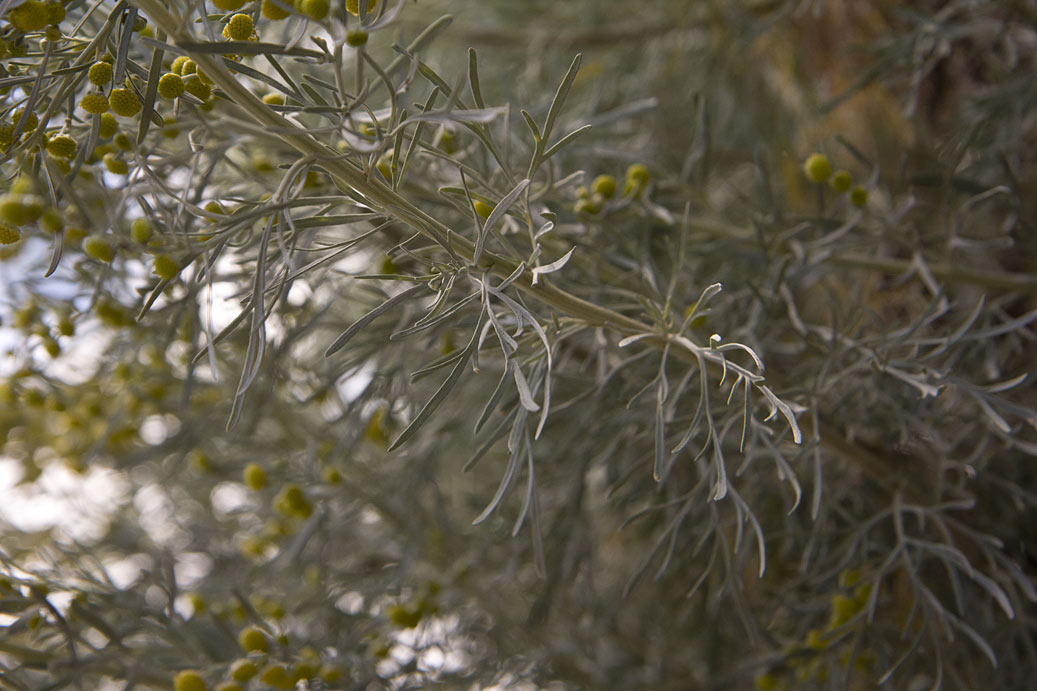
(23, 184)
(483, 209)
(239, 28)
(124, 102)
(62, 146)
(20, 209)
(97, 247)
(242, 670)
(858, 196)
(817, 168)
(253, 640)
(356, 38)
(197, 88)
(177, 66)
(52, 221)
(188, 680)
(291, 501)
(638, 173)
(109, 125)
(8, 234)
(274, 99)
(276, 676)
(55, 12)
(605, 185)
(586, 206)
(31, 120)
(100, 73)
(228, 5)
(314, 9)
(274, 10)
(170, 86)
(99, 151)
(254, 476)
(632, 188)
(140, 230)
(353, 6)
(841, 181)
(62, 164)
(166, 267)
(304, 670)
(115, 165)
(31, 15)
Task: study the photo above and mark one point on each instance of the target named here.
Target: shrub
(723, 410)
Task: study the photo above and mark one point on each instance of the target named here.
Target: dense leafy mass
(597, 344)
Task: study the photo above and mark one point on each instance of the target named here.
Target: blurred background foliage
(141, 536)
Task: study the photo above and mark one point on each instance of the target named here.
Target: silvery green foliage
(719, 426)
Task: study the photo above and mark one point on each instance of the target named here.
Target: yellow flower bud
(353, 6)
(166, 267)
(841, 181)
(239, 28)
(8, 234)
(197, 88)
(170, 86)
(817, 168)
(62, 146)
(177, 66)
(188, 680)
(115, 165)
(51, 220)
(275, 10)
(55, 12)
(140, 230)
(97, 247)
(482, 208)
(109, 125)
(100, 73)
(31, 15)
(638, 172)
(276, 676)
(94, 103)
(124, 102)
(605, 185)
(314, 9)
(253, 640)
(254, 476)
(242, 670)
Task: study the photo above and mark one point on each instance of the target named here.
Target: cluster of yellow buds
(818, 169)
(591, 201)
